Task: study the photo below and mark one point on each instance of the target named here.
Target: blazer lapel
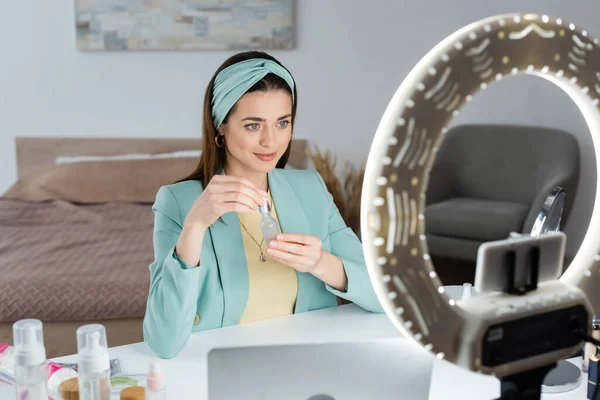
(233, 266)
(292, 219)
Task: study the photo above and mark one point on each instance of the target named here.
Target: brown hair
(213, 157)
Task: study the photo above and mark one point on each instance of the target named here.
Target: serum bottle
(268, 225)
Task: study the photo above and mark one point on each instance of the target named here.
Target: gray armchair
(491, 180)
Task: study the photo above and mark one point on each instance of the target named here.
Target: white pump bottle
(30, 360)
(94, 363)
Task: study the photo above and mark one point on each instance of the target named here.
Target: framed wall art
(128, 25)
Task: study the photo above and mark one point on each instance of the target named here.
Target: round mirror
(548, 220)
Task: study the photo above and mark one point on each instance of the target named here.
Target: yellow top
(273, 285)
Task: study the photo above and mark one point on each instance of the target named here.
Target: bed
(76, 232)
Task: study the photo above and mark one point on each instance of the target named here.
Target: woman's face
(258, 131)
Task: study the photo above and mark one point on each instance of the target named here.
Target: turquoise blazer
(183, 299)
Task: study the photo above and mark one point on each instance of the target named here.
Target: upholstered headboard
(35, 153)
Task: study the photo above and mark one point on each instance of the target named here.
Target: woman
(212, 267)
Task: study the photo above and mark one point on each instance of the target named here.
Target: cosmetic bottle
(30, 360)
(55, 372)
(94, 364)
(593, 378)
(590, 349)
(268, 224)
(155, 383)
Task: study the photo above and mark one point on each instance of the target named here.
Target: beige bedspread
(61, 261)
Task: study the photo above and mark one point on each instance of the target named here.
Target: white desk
(338, 324)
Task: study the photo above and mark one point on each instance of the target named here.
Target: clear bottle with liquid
(29, 360)
(268, 224)
(94, 363)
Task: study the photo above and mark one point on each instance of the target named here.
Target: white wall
(350, 58)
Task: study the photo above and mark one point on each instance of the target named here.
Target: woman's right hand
(224, 194)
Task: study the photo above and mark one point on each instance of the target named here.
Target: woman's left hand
(304, 254)
(299, 251)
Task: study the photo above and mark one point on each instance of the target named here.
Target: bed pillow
(135, 180)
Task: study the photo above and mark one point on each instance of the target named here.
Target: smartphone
(522, 262)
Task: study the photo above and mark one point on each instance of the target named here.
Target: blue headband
(234, 81)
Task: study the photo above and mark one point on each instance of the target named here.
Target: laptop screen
(384, 369)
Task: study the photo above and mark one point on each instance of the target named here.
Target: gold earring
(220, 143)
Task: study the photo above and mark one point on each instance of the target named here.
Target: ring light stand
(515, 337)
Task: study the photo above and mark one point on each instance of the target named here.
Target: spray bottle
(94, 364)
(29, 360)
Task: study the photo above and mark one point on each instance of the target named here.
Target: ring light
(396, 177)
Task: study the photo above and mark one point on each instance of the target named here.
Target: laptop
(385, 369)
